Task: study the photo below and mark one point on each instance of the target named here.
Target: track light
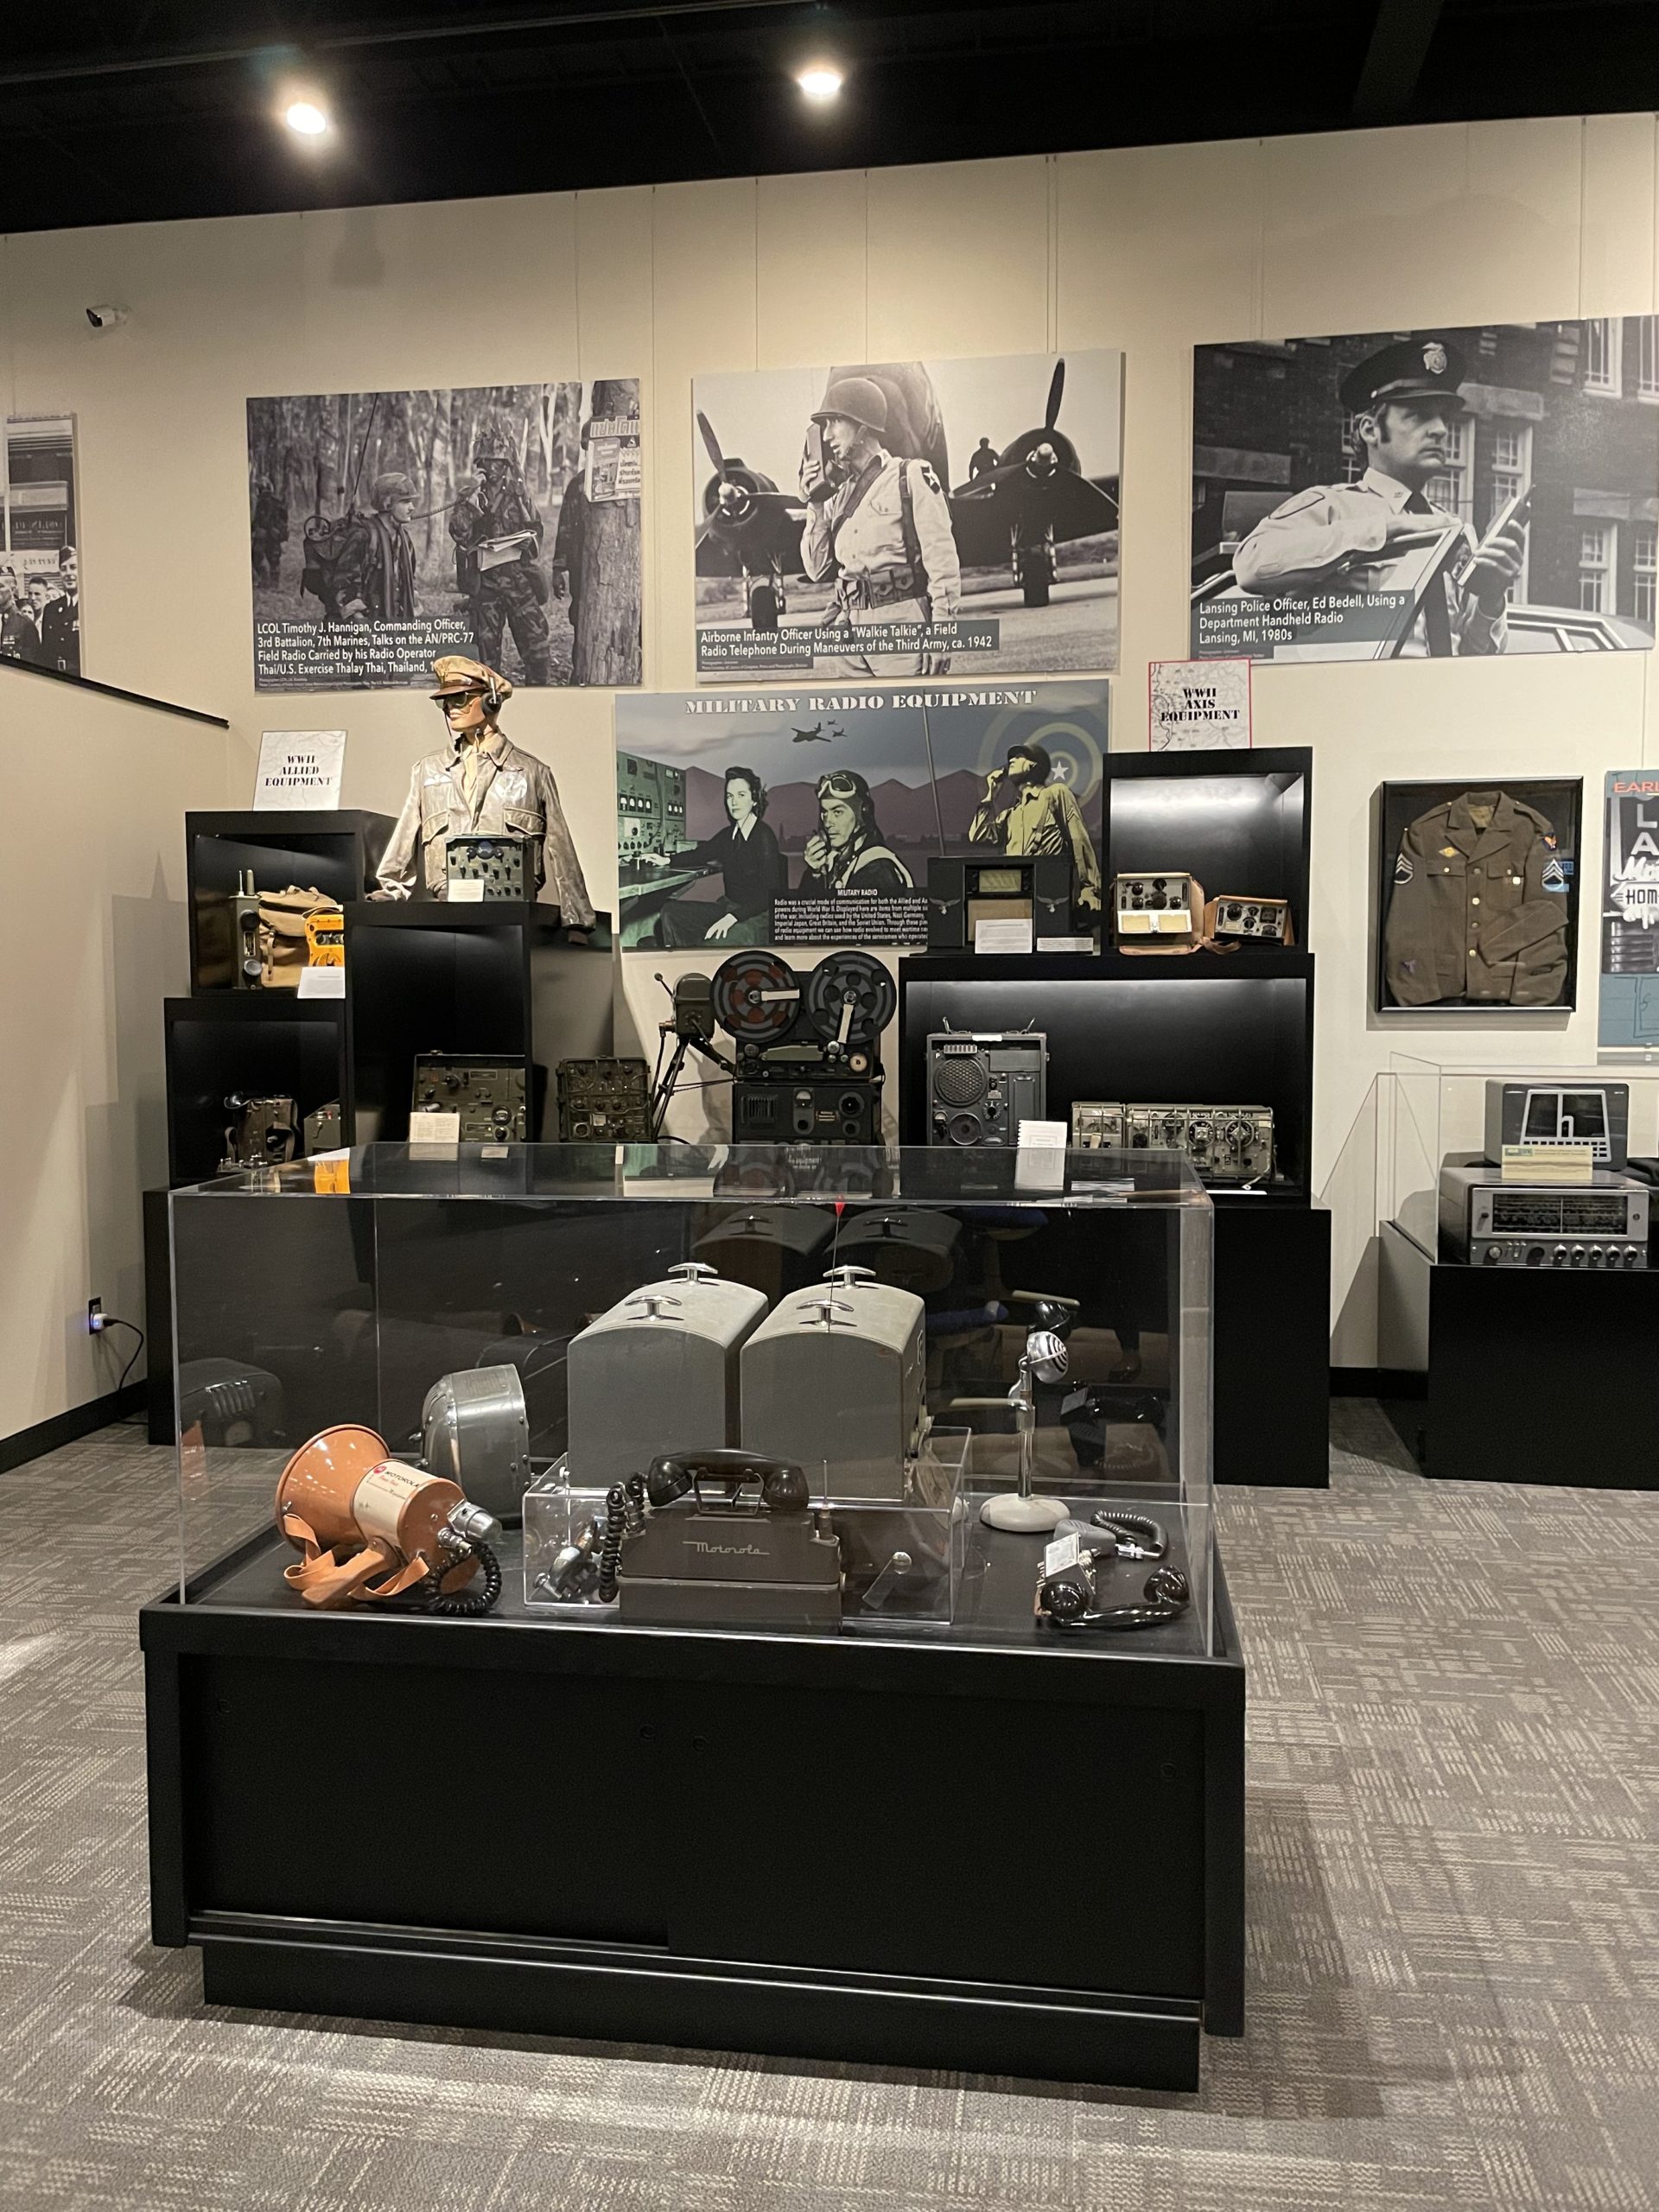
(821, 82)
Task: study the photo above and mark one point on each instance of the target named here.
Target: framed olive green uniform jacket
(1480, 910)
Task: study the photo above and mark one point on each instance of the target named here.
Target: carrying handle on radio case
(675, 1475)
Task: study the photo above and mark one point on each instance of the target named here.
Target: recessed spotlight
(307, 117)
(820, 82)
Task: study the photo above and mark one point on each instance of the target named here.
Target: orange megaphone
(354, 1513)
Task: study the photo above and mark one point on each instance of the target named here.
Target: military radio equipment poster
(501, 522)
(39, 563)
(809, 817)
(908, 519)
(1395, 495)
(1630, 912)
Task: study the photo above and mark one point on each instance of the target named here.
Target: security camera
(107, 318)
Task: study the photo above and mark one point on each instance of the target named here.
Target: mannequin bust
(479, 783)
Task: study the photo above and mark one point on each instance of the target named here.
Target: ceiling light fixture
(820, 82)
(307, 117)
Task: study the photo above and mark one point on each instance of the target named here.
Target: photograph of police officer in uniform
(739, 816)
(386, 528)
(1433, 493)
(833, 532)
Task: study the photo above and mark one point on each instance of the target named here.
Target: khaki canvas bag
(282, 952)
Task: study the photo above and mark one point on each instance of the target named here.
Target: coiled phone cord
(465, 1604)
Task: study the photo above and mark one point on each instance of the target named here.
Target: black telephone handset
(675, 1475)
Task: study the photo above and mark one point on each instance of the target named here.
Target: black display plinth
(1533, 1375)
(264, 1044)
(335, 850)
(1211, 1029)
(504, 979)
(1240, 821)
(922, 1852)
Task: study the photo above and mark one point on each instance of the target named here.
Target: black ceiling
(116, 109)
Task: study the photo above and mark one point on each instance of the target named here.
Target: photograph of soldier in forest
(501, 522)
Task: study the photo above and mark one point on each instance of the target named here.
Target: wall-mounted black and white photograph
(908, 519)
(39, 560)
(1477, 896)
(768, 817)
(500, 521)
(1400, 494)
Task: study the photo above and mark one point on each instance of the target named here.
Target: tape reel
(851, 998)
(756, 997)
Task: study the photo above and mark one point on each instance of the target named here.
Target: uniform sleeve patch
(1551, 843)
(1555, 878)
(928, 477)
(1402, 868)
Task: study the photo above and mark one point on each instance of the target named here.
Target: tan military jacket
(515, 796)
(1308, 541)
(1480, 910)
(860, 530)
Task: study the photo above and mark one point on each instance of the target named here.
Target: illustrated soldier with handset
(1404, 400)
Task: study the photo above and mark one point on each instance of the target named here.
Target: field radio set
(805, 1064)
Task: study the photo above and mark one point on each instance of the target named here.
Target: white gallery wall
(1150, 249)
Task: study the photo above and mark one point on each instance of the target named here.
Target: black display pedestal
(1210, 1028)
(334, 851)
(936, 1853)
(503, 980)
(267, 1044)
(1533, 1375)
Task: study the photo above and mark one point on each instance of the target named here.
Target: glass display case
(1444, 1116)
(837, 1391)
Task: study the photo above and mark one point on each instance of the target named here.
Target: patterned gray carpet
(1454, 1947)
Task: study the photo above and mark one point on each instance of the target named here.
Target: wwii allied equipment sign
(387, 528)
(1630, 912)
(908, 519)
(1465, 493)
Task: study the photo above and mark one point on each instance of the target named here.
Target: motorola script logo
(727, 1551)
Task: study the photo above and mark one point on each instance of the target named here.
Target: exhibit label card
(299, 769)
(1629, 1010)
(1194, 706)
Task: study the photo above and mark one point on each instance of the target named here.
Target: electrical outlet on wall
(95, 1315)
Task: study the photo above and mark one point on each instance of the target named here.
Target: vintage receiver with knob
(982, 1084)
(487, 1095)
(1490, 1224)
(1225, 1144)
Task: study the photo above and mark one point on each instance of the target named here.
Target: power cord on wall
(98, 1322)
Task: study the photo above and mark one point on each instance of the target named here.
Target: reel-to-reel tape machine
(808, 1065)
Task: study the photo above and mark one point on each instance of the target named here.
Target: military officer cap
(457, 674)
(1424, 367)
(390, 486)
(856, 399)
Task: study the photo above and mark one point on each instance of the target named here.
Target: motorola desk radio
(961, 894)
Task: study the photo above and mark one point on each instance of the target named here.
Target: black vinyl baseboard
(68, 1428)
(1377, 1382)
